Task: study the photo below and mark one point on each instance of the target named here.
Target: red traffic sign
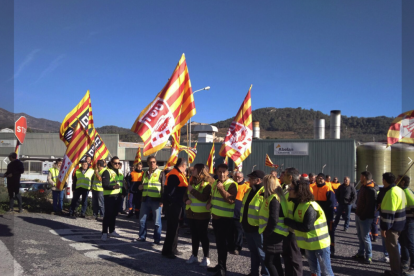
(20, 128)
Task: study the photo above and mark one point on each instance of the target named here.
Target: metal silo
(377, 157)
(399, 160)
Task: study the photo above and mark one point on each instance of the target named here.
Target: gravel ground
(53, 245)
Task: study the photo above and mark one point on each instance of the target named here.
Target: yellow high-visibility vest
(219, 207)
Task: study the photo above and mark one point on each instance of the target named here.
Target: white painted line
(59, 232)
(88, 246)
(8, 265)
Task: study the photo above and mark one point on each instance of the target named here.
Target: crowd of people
(282, 218)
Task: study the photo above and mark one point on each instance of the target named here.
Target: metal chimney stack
(256, 130)
(319, 129)
(335, 124)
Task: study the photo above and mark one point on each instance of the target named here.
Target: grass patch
(37, 202)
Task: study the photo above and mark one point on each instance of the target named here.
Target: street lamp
(189, 140)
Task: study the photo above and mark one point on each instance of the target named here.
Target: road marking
(8, 265)
(90, 241)
(59, 232)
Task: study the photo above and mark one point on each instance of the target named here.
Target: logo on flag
(402, 129)
(240, 137)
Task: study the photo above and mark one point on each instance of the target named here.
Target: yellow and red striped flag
(238, 141)
(137, 157)
(175, 144)
(210, 160)
(77, 148)
(82, 113)
(226, 160)
(269, 163)
(168, 112)
(192, 152)
(402, 129)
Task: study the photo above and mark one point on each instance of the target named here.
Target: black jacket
(308, 222)
(246, 226)
(366, 202)
(273, 242)
(173, 194)
(15, 168)
(345, 194)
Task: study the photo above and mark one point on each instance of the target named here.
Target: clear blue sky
(323, 55)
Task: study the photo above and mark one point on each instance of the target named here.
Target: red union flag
(238, 141)
(402, 129)
(168, 112)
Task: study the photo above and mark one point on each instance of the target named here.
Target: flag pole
(412, 163)
(188, 143)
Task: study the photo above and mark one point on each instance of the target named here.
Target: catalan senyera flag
(82, 113)
(226, 160)
(175, 144)
(78, 146)
(137, 157)
(168, 112)
(269, 163)
(210, 160)
(192, 152)
(402, 129)
(238, 141)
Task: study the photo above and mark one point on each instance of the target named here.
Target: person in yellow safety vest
(271, 224)
(152, 192)
(407, 235)
(249, 218)
(123, 191)
(135, 195)
(198, 194)
(224, 192)
(308, 221)
(57, 195)
(111, 191)
(393, 217)
(80, 187)
(292, 257)
(98, 207)
(243, 186)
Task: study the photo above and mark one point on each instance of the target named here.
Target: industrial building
(336, 157)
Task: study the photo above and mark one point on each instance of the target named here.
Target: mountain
(125, 134)
(280, 123)
(7, 119)
(297, 123)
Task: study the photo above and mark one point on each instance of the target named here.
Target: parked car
(38, 186)
(25, 185)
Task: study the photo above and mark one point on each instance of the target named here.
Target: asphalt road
(40, 244)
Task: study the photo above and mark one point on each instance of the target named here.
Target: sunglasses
(117, 163)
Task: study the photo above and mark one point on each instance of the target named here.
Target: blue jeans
(406, 242)
(98, 206)
(318, 259)
(58, 200)
(147, 206)
(257, 255)
(343, 210)
(77, 193)
(363, 228)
